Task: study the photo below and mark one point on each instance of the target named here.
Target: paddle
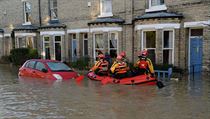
(160, 84)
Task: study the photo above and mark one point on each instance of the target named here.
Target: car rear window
(58, 67)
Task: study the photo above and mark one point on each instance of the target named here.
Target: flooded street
(37, 99)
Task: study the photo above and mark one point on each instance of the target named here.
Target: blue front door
(196, 52)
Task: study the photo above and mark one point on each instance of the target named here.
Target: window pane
(22, 42)
(161, 2)
(106, 6)
(40, 66)
(113, 53)
(149, 39)
(167, 56)
(168, 39)
(85, 36)
(47, 48)
(30, 42)
(46, 39)
(27, 11)
(26, 65)
(74, 36)
(151, 55)
(99, 41)
(27, 7)
(196, 32)
(58, 51)
(53, 9)
(54, 3)
(113, 41)
(157, 2)
(85, 47)
(31, 64)
(58, 38)
(58, 66)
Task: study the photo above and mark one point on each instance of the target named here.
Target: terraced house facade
(174, 31)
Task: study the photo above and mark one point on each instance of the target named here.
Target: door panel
(196, 52)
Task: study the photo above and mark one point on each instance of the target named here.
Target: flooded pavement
(39, 99)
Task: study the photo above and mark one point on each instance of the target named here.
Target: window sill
(105, 15)
(26, 23)
(156, 8)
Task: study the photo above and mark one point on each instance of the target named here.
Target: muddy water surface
(38, 99)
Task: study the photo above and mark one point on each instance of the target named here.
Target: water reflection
(25, 98)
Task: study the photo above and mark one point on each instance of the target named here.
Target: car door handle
(33, 72)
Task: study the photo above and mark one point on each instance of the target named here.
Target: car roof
(43, 60)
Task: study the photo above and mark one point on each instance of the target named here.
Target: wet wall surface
(188, 98)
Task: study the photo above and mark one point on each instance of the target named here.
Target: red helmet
(143, 53)
(101, 56)
(119, 57)
(123, 54)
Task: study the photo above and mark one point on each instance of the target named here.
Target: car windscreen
(58, 67)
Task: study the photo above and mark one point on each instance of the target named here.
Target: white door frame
(189, 37)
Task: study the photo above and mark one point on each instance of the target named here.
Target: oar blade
(160, 84)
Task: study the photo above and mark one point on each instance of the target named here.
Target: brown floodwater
(188, 98)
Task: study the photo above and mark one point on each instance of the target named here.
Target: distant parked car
(46, 69)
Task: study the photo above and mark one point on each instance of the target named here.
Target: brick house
(174, 32)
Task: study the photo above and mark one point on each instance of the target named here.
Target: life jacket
(121, 68)
(103, 67)
(143, 63)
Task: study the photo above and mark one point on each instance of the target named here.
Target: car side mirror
(44, 70)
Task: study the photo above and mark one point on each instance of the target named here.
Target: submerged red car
(46, 69)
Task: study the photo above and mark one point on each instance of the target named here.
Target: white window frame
(44, 52)
(52, 9)
(142, 41)
(173, 43)
(24, 12)
(103, 14)
(155, 8)
(94, 45)
(73, 39)
(109, 38)
(84, 39)
(57, 42)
